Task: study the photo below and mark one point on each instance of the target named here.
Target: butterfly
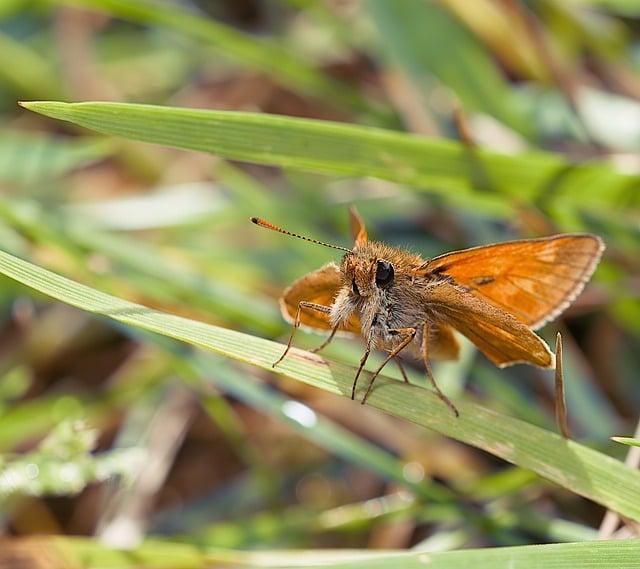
(496, 295)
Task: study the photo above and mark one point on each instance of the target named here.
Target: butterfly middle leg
(427, 365)
(408, 335)
(296, 324)
(402, 370)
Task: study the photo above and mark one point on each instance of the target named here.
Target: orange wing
(533, 279)
(443, 345)
(320, 287)
(498, 334)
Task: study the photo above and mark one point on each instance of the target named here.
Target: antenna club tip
(254, 220)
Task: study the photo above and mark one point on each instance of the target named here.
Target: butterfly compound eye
(354, 287)
(384, 273)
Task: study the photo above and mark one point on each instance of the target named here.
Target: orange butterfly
(495, 295)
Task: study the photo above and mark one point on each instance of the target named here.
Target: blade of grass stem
(349, 150)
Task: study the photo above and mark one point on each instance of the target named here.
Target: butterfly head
(367, 271)
(370, 268)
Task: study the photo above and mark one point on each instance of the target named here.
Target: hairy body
(380, 309)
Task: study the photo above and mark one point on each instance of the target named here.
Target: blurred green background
(221, 455)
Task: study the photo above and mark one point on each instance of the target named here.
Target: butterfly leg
(327, 341)
(296, 324)
(409, 334)
(401, 368)
(363, 360)
(561, 404)
(427, 365)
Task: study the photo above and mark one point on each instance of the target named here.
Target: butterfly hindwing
(498, 334)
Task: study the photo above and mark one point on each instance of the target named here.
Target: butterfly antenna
(266, 224)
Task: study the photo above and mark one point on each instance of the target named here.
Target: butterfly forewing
(535, 279)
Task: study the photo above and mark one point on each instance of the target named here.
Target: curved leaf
(569, 464)
(349, 150)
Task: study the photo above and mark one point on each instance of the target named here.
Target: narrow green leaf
(157, 554)
(627, 441)
(349, 150)
(569, 464)
(595, 555)
(615, 554)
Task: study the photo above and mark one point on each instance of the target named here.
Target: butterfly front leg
(363, 361)
(327, 341)
(427, 365)
(296, 324)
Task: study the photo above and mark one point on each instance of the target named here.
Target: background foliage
(533, 126)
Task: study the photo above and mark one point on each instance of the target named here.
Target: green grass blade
(161, 553)
(156, 554)
(627, 441)
(595, 555)
(350, 150)
(569, 464)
